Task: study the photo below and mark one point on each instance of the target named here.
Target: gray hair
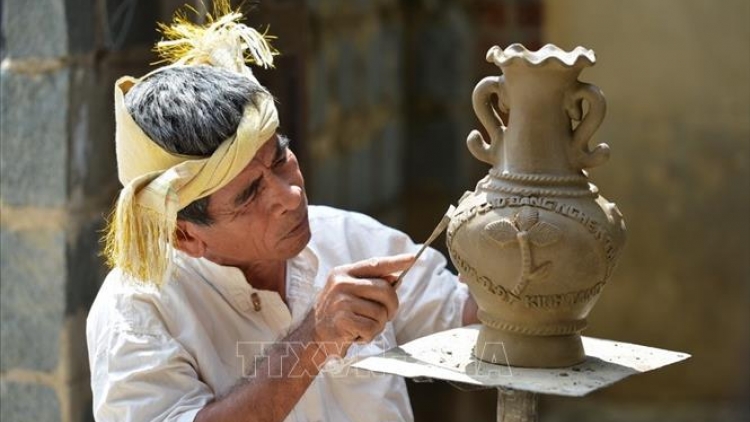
(191, 110)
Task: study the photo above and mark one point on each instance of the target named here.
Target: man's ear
(187, 239)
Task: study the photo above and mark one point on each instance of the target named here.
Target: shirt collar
(231, 283)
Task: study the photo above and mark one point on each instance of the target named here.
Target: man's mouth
(299, 226)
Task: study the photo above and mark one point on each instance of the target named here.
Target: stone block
(377, 76)
(443, 56)
(391, 162)
(360, 177)
(34, 158)
(326, 182)
(28, 402)
(392, 66)
(34, 30)
(86, 269)
(431, 153)
(319, 95)
(32, 295)
(349, 77)
(131, 23)
(81, 24)
(92, 163)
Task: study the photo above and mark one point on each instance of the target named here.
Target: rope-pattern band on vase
(488, 185)
(549, 330)
(538, 178)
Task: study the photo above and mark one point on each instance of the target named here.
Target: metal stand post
(516, 406)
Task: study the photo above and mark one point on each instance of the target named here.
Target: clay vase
(535, 241)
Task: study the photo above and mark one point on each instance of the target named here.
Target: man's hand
(357, 301)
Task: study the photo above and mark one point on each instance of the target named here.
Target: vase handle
(580, 152)
(489, 116)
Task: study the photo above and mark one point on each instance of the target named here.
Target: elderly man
(230, 297)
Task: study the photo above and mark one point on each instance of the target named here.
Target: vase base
(504, 348)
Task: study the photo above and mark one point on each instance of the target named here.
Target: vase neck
(539, 130)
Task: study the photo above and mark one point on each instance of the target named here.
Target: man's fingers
(359, 300)
(374, 290)
(363, 329)
(370, 310)
(383, 267)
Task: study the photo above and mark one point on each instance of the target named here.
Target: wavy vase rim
(578, 57)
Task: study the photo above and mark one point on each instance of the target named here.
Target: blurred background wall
(676, 74)
(375, 95)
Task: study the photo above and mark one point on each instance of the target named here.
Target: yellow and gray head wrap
(158, 183)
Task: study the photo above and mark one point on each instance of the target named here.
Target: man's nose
(285, 194)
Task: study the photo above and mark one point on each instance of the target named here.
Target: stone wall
(57, 181)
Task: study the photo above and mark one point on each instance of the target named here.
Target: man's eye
(250, 193)
(282, 160)
(252, 197)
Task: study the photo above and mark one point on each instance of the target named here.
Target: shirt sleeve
(145, 377)
(431, 299)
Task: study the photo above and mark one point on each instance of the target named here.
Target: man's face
(261, 215)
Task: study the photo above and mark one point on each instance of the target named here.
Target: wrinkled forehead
(223, 199)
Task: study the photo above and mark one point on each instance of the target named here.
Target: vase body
(535, 241)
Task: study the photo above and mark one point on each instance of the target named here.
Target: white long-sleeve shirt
(162, 355)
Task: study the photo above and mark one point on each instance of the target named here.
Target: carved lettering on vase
(549, 301)
(563, 299)
(496, 289)
(462, 216)
(517, 229)
(527, 230)
(567, 210)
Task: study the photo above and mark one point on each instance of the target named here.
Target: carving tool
(435, 233)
